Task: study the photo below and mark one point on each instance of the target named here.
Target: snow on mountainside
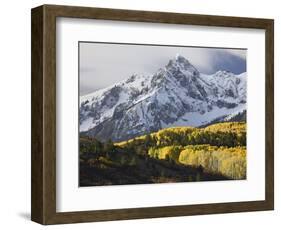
(176, 95)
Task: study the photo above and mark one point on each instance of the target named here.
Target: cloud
(237, 52)
(102, 65)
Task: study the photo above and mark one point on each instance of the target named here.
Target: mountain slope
(176, 95)
(179, 154)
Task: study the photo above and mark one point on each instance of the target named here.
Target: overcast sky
(103, 64)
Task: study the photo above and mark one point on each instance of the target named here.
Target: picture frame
(44, 122)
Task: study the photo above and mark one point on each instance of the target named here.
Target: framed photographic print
(140, 114)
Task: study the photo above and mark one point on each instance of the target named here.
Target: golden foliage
(167, 152)
(219, 148)
(228, 161)
(177, 135)
(237, 127)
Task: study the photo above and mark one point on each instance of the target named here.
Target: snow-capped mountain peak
(176, 95)
(180, 63)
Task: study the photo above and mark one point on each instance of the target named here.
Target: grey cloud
(102, 65)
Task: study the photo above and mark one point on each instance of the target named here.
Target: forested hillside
(217, 152)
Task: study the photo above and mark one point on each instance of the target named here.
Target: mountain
(176, 95)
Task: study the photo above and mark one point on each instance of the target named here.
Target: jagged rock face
(176, 95)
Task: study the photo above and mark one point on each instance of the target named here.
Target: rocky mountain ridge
(176, 95)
